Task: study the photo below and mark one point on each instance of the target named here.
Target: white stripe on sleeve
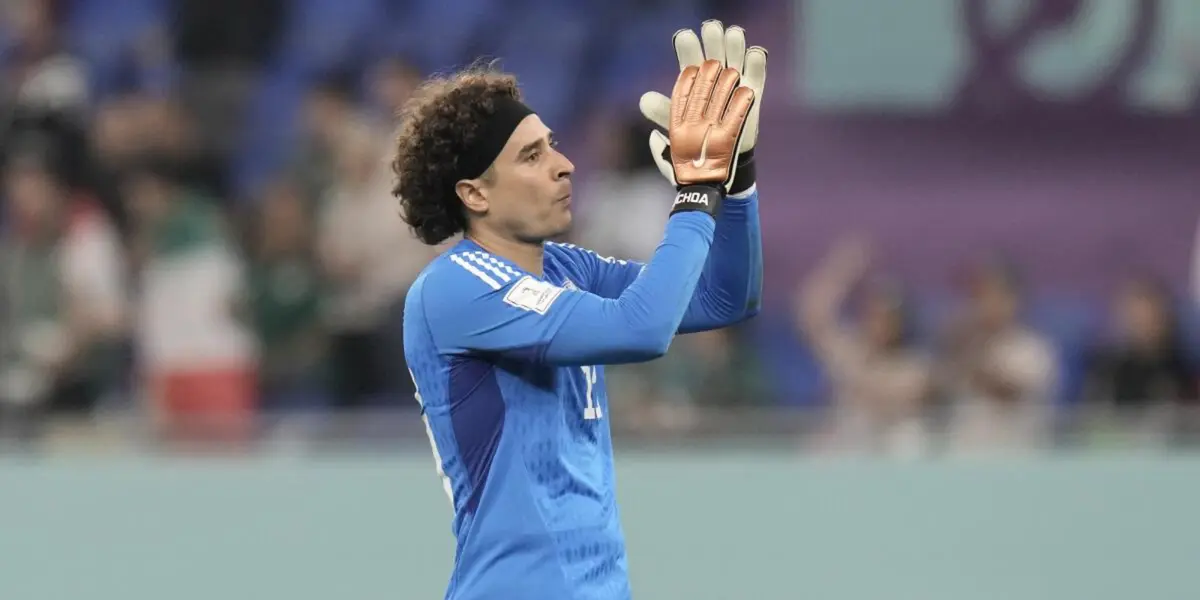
(476, 272)
(481, 261)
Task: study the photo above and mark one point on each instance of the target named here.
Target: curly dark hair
(437, 125)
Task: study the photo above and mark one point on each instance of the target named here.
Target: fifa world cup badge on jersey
(532, 294)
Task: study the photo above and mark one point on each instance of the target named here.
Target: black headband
(493, 135)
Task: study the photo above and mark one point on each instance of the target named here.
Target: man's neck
(526, 255)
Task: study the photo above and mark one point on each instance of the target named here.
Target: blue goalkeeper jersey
(509, 371)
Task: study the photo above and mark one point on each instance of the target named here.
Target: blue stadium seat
(440, 35)
(270, 130)
(545, 51)
(331, 34)
(105, 32)
(640, 57)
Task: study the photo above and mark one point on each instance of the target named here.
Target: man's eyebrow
(531, 146)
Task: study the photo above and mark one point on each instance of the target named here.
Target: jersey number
(437, 456)
(592, 412)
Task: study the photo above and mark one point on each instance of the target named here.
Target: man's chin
(554, 231)
(563, 224)
(560, 231)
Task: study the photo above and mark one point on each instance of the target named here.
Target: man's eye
(533, 156)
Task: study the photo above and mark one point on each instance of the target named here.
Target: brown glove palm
(708, 113)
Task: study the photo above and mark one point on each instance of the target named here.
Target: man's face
(882, 322)
(1143, 316)
(529, 190)
(996, 302)
(284, 222)
(33, 195)
(392, 84)
(147, 198)
(116, 131)
(324, 113)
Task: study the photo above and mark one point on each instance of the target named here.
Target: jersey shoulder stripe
(493, 264)
(473, 268)
(496, 273)
(489, 267)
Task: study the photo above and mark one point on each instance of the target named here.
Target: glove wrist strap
(701, 198)
(745, 175)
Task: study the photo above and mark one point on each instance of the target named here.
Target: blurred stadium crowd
(198, 233)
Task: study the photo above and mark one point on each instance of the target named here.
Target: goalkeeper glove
(706, 121)
(727, 46)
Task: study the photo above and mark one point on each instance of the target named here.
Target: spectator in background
(391, 81)
(1145, 367)
(116, 140)
(703, 371)
(171, 132)
(131, 125)
(369, 259)
(999, 374)
(881, 382)
(329, 110)
(40, 74)
(62, 304)
(59, 137)
(197, 358)
(285, 299)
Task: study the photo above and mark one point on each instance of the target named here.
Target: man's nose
(564, 168)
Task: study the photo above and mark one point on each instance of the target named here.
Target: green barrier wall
(700, 527)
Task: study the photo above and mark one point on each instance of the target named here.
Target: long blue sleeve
(640, 323)
(476, 303)
(730, 287)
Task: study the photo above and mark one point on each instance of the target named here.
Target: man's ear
(470, 191)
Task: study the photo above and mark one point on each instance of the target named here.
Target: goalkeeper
(506, 333)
